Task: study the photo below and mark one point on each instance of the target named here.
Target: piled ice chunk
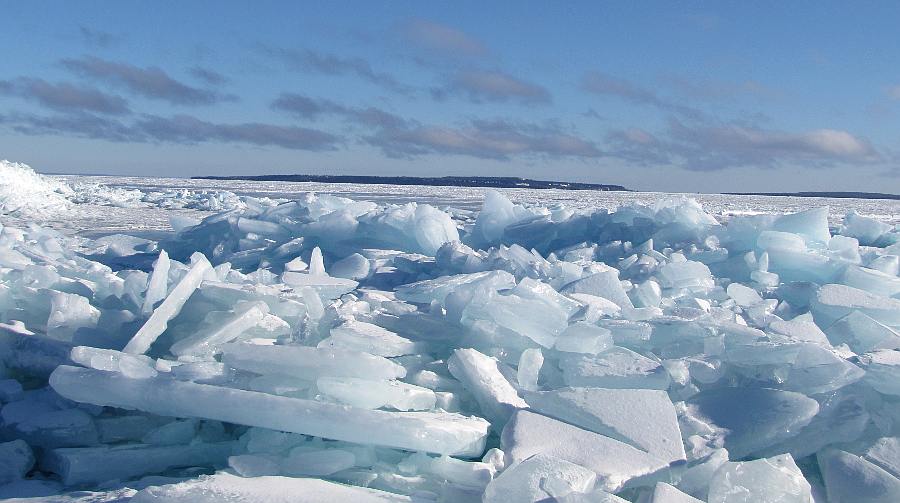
(27, 194)
(331, 350)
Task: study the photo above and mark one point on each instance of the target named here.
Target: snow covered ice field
(196, 340)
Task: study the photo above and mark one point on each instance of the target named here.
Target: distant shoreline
(500, 182)
(836, 195)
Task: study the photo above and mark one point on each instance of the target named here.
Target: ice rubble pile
(326, 349)
(27, 194)
(24, 192)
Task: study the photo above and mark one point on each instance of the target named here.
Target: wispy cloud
(150, 82)
(64, 96)
(487, 139)
(442, 39)
(78, 125)
(709, 147)
(492, 86)
(603, 84)
(189, 129)
(179, 129)
(97, 39)
(720, 90)
(306, 60)
(483, 139)
(305, 107)
(208, 76)
(893, 92)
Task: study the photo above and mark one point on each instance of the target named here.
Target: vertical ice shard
(529, 368)
(170, 307)
(158, 283)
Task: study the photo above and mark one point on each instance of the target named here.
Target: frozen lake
(105, 219)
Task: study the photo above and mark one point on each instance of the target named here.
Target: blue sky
(672, 96)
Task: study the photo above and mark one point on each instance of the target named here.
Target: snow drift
(30, 195)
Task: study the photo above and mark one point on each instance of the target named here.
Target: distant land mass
(500, 182)
(842, 195)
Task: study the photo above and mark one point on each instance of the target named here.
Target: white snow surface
(196, 340)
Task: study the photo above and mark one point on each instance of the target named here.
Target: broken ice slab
(873, 281)
(743, 295)
(842, 418)
(643, 418)
(224, 486)
(302, 461)
(437, 289)
(585, 338)
(886, 454)
(45, 425)
(16, 459)
(328, 287)
(819, 370)
(695, 479)
(10, 390)
(243, 318)
(615, 368)
(851, 478)
(537, 479)
(615, 463)
(133, 366)
(438, 432)
(769, 479)
(687, 274)
(481, 375)
(832, 302)
(529, 317)
(862, 333)
(752, 419)
(800, 329)
(882, 371)
(69, 312)
(475, 474)
(780, 241)
(664, 493)
(304, 362)
(355, 267)
(604, 284)
(170, 307)
(29, 353)
(92, 465)
(811, 224)
(866, 230)
(355, 335)
(596, 307)
(368, 394)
